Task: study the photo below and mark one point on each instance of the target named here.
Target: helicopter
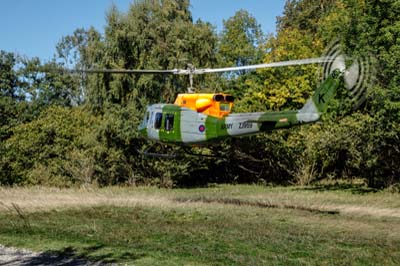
(196, 119)
(202, 118)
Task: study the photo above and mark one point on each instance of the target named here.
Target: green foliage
(37, 150)
(62, 129)
(112, 145)
(151, 35)
(8, 76)
(48, 87)
(241, 40)
(306, 15)
(289, 87)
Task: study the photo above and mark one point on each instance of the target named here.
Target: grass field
(224, 225)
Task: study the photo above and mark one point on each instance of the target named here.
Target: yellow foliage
(289, 87)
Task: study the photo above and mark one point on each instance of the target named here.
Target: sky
(33, 27)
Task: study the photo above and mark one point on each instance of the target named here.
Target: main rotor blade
(204, 70)
(124, 71)
(267, 65)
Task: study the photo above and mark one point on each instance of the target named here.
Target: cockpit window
(169, 122)
(224, 107)
(158, 120)
(218, 97)
(229, 98)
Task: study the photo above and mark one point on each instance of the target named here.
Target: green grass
(228, 225)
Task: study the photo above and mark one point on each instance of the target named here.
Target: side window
(169, 122)
(157, 121)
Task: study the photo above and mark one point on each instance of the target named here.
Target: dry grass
(43, 199)
(34, 199)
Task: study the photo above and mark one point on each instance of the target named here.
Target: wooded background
(64, 129)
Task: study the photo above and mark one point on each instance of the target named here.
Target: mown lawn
(227, 225)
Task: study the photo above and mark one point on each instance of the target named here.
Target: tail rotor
(357, 72)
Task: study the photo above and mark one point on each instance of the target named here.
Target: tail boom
(309, 113)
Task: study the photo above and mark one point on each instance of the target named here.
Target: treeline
(63, 129)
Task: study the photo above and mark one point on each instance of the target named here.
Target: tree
(306, 15)
(47, 84)
(381, 19)
(8, 76)
(289, 87)
(38, 150)
(151, 35)
(241, 40)
(46, 138)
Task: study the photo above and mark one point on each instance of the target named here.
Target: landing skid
(160, 155)
(191, 153)
(147, 153)
(187, 152)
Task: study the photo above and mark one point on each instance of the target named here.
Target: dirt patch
(323, 209)
(370, 211)
(18, 257)
(261, 204)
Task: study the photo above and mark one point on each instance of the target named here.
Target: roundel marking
(202, 128)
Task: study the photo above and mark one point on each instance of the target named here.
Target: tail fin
(310, 112)
(318, 103)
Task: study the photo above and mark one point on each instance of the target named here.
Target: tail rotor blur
(357, 72)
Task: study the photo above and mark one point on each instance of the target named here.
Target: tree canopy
(58, 128)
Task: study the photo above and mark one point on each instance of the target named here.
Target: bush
(37, 151)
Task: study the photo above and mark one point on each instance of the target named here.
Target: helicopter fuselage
(174, 124)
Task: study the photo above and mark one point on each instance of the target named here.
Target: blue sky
(33, 27)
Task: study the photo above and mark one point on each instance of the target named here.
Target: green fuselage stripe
(215, 128)
(173, 135)
(275, 120)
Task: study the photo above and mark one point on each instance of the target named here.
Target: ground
(222, 225)
(16, 257)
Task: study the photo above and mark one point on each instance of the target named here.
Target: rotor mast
(191, 70)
